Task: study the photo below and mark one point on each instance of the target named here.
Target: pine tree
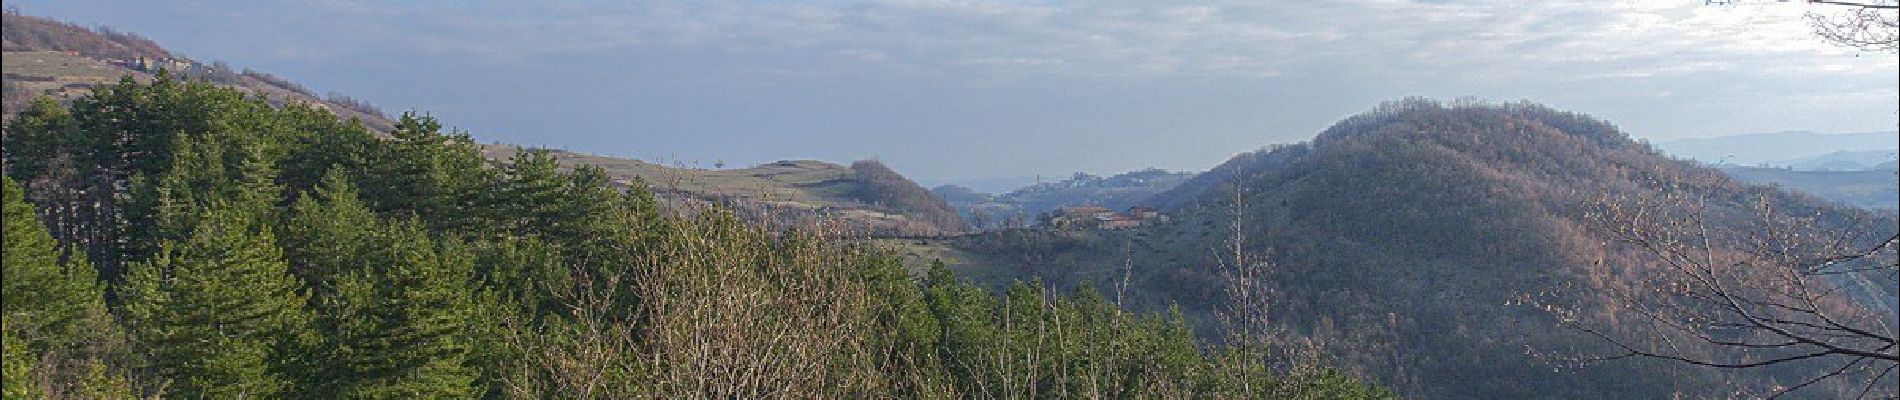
(16, 368)
(218, 314)
(397, 329)
(429, 174)
(328, 231)
(49, 305)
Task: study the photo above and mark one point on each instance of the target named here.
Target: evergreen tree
(423, 172)
(49, 306)
(328, 232)
(218, 314)
(397, 329)
(89, 154)
(16, 368)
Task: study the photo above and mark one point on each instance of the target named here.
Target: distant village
(1095, 217)
(153, 64)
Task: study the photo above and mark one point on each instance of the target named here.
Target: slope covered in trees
(184, 240)
(22, 32)
(1448, 250)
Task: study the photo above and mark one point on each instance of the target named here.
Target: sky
(949, 91)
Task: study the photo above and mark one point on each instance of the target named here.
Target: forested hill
(1429, 243)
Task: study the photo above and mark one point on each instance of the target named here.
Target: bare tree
(1787, 289)
(1865, 25)
(1871, 25)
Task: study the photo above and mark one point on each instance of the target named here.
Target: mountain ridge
(1401, 235)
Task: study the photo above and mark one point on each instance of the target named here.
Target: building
(1086, 212)
(1102, 218)
(1120, 222)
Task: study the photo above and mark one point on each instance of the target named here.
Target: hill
(866, 196)
(65, 61)
(1403, 237)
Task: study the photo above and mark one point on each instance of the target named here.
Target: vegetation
(40, 33)
(245, 250)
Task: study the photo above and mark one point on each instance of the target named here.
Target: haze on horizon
(946, 91)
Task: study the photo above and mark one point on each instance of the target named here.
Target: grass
(792, 185)
(60, 66)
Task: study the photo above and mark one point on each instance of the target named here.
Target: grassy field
(804, 181)
(797, 187)
(61, 67)
(56, 74)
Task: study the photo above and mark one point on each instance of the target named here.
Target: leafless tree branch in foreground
(1781, 290)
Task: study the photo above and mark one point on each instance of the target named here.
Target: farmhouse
(1097, 217)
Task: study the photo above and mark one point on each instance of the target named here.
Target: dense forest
(177, 239)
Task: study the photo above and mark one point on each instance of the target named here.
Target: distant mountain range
(1856, 169)
(1779, 148)
(1871, 188)
(1844, 160)
(1117, 192)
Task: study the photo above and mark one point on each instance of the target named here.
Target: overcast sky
(966, 89)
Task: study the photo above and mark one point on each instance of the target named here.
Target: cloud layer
(1151, 83)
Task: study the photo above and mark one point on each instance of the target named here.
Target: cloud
(1023, 84)
(908, 38)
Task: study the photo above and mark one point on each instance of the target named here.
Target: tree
(424, 172)
(1866, 25)
(218, 314)
(1788, 289)
(54, 311)
(396, 328)
(329, 230)
(86, 161)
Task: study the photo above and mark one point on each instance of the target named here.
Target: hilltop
(866, 196)
(65, 61)
(1402, 237)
